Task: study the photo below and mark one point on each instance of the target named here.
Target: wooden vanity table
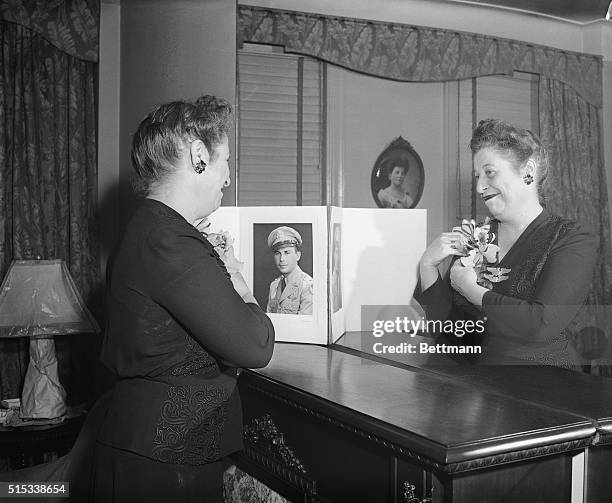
(351, 426)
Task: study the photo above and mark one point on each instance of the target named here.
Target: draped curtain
(570, 95)
(415, 53)
(48, 165)
(571, 128)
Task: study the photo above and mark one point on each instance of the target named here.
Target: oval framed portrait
(398, 176)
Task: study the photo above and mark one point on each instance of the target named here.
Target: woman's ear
(198, 153)
(530, 167)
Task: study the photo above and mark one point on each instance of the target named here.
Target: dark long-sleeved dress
(551, 268)
(177, 332)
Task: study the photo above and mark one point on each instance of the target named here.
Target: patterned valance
(415, 53)
(70, 25)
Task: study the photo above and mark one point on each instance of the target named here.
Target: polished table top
(447, 418)
(561, 389)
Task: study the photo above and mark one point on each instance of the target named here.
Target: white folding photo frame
(377, 253)
(251, 226)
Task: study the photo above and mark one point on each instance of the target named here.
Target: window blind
(500, 97)
(279, 129)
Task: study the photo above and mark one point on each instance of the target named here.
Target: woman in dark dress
(179, 323)
(544, 262)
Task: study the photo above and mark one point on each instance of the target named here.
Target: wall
(373, 113)
(607, 126)
(108, 127)
(168, 50)
(173, 50)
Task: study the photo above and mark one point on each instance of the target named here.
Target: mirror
(363, 126)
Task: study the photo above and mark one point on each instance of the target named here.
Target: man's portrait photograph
(282, 279)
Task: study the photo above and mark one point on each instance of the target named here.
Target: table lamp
(39, 300)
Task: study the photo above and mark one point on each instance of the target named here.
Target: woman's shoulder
(571, 231)
(160, 221)
(166, 237)
(568, 225)
(152, 217)
(158, 213)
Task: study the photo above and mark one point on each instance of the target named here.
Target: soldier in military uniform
(291, 292)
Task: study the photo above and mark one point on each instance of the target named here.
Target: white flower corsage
(476, 244)
(223, 243)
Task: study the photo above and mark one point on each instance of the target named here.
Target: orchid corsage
(476, 244)
(223, 243)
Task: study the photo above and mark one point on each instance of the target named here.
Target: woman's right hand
(445, 245)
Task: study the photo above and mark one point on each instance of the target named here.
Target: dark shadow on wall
(115, 207)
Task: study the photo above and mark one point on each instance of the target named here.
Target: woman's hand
(223, 243)
(464, 280)
(232, 264)
(445, 245)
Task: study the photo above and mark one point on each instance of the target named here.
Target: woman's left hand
(464, 280)
(232, 264)
(462, 277)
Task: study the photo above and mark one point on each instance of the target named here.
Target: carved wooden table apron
(324, 424)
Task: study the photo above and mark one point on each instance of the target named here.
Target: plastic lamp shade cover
(38, 299)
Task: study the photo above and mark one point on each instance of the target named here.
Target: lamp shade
(38, 298)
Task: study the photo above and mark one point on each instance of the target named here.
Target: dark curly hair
(518, 144)
(157, 143)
